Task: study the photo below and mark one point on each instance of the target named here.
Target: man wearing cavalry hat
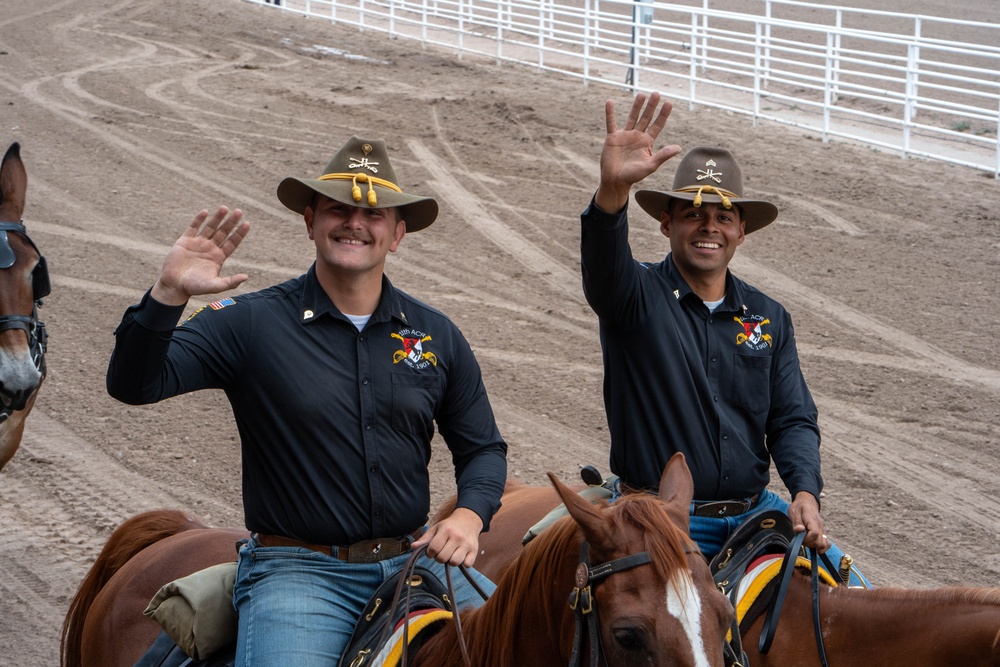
(696, 360)
(336, 379)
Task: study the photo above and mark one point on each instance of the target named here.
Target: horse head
(645, 580)
(24, 280)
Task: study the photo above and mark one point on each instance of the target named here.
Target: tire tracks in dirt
(474, 212)
(52, 469)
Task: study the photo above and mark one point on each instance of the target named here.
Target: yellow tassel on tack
(356, 193)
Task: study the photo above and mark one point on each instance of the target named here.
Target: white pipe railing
(904, 91)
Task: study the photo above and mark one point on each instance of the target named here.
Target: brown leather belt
(709, 508)
(720, 508)
(366, 551)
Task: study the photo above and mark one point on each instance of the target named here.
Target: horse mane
(532, 578)
(128, 539)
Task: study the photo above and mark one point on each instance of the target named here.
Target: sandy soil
(135, 114)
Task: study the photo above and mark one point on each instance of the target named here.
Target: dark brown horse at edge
(24, 280)
(881, 627)
(658, 608)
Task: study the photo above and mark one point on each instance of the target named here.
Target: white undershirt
(712, 305)
(358, 320)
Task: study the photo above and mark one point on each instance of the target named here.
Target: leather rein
(784, 577)
(400, 598)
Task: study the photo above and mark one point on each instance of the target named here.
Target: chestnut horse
(881, 627)
(657, 607)
(24, 280)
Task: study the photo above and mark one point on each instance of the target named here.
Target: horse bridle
(41, 287)
(584, 606)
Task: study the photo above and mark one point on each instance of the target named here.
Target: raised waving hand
(194, 263)
(628, 155)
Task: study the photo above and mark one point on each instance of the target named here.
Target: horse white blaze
(684, 604)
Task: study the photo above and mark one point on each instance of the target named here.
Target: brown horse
(658, 607)
(882, 627)
(24, 280)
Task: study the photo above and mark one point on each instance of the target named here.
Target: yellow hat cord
(723, 194)
(364, 178)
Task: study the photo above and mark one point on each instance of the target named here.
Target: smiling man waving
(696, 360)
(336, 379)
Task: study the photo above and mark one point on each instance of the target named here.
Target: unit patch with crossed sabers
(413, 350)
(752, 334)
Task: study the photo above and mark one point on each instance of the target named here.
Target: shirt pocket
(414, 398)
(751, 387)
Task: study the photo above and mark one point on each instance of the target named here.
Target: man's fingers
(635, 111)
(609, 117)
(661, 119)
(234, 239)
(223, 227)
(228, 223)
(646, 116)
(196, 223)
(213, 221)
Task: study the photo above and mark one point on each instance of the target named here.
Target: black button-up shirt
(724, 387)
(335, 424)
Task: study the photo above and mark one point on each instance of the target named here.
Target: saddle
(765, 550)
(413, 597)
(766, 532)
(408, 605)
(598, 489)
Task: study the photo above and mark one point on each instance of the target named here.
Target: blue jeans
(710, 533)
(299, 607)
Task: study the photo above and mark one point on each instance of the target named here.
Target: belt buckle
(734, 507)
(722, 508)
(373, 551)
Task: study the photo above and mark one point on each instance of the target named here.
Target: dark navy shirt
(335, 424)
(724, 387)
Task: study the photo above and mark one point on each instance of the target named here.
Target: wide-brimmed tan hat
(709, 175)
(360, 174)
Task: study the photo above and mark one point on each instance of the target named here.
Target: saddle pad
(760, 573)
(392, 652)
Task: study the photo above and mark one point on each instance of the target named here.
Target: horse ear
(13, 185)
(587, 516)
(677, 489)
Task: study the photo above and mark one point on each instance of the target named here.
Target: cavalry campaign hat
(360, 175)
(709, 175)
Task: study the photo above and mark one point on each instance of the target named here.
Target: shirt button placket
(369, 433)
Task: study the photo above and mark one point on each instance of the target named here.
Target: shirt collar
(735, 297)
(315, 302)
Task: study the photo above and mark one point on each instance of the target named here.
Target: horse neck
(929, 628)
(518, 624)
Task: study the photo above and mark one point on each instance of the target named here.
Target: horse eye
(630, 639)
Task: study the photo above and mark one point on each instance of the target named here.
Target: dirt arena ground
(134, 114)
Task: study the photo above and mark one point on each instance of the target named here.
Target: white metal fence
(918, 85)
